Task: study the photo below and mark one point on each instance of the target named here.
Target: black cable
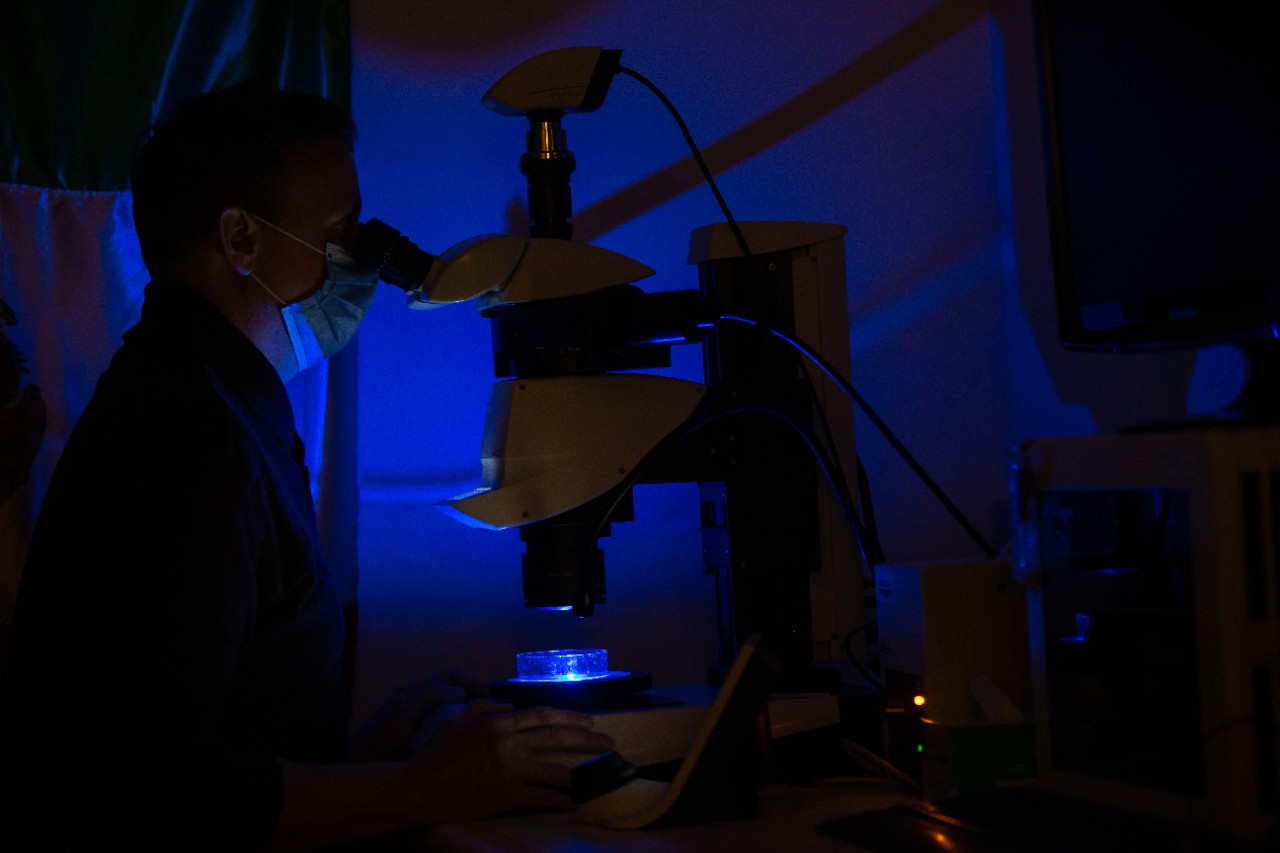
(697, 156)
(915, 466)
(817, 359)
(676, 438)
(833, 450)
(842, 484)
(868, 512)
(853, 661)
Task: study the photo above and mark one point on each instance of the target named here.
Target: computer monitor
(1162, 127)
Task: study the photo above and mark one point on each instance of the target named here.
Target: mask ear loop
(271, 292)
(292, 237)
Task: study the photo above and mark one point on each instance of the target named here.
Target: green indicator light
(919, 747)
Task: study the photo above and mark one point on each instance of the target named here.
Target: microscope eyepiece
(396, 258)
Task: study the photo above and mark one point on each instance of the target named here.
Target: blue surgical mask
(324, 322)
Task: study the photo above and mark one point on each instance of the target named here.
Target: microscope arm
(496, 269)
(551, 268)
(554, 443)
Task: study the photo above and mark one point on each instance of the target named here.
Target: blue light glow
(440, 167)
(562, 665)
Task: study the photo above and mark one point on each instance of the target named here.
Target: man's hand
(486, 760)
(389, 733)
(482, 761)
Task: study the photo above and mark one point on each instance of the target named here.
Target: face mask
(324, 322)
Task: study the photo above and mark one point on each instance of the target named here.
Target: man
(174, 678)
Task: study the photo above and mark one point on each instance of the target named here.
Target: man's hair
(222, 149)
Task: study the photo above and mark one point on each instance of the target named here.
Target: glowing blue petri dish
(562, 665)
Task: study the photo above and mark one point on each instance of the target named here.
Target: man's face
(321, 204)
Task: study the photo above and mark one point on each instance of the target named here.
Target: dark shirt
(176, 627)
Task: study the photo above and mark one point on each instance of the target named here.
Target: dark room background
(913, 124)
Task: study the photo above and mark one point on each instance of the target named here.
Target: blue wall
(910, 123)
(842, 113)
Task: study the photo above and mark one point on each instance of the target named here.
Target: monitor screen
(1163, 137)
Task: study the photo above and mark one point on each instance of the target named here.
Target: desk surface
(788, 819)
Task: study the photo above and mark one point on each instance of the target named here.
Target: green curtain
(81, 79)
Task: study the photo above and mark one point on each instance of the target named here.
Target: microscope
(574, 424)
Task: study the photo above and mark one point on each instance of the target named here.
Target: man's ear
(239, 237)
